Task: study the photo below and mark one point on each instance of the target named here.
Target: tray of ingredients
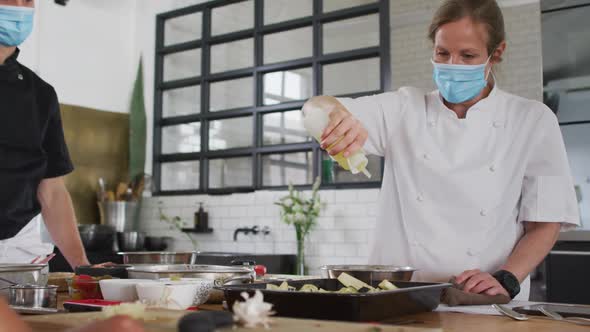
(345, 298)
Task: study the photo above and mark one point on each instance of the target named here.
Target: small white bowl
(204, 287)
(166, 295)
(120, 289)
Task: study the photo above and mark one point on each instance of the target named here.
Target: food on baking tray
(351, 285)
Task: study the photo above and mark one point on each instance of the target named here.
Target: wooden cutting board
(166, 321)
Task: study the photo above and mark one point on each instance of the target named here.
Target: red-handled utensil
(260, 270)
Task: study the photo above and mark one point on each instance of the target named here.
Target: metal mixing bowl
(370, 273)
(97, 237)
(159, 257)
(36, 274)
(130, 241)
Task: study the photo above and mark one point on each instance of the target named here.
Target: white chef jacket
(455, 191)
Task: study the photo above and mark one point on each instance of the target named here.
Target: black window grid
(257, 150)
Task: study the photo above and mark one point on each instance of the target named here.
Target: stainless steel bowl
(97, 237)
(159, 257)
(33, 296)
(370, 273)
(130, 241)
(36, 274)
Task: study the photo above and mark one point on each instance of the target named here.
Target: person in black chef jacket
(33, 154)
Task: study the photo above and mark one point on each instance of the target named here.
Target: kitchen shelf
(198, 230)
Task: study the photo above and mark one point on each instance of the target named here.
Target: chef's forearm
(60, 219)
(532, 248)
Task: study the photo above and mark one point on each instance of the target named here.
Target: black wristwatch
(508, 281)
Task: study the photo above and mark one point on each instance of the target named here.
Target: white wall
(520, 72)
(86, 50)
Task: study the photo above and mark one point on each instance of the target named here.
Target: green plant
(301, 212)
(175, 223)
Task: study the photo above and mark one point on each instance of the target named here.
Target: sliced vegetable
(309, 288)
(350, 281)
(387, 285)
(347, 290)
(284, 286)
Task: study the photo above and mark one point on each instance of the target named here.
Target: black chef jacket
(32, 144)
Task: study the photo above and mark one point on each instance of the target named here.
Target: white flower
(288, 202)
(299, 217)
(253, 311)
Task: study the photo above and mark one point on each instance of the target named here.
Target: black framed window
(231, 77)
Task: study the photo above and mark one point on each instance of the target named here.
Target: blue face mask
(459, 83)
(16, 24)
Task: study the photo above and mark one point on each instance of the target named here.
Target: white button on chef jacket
(441, 209)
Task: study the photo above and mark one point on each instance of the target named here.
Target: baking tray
(410, 298)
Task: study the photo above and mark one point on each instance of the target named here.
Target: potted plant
(301, 212)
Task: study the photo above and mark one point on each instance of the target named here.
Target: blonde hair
(481, 11)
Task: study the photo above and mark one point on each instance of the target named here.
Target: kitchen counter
(576, 235)
(425, 322)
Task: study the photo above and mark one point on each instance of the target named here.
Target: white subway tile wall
(341, 234)
(344, 227)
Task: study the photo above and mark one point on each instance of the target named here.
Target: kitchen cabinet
(567, 271)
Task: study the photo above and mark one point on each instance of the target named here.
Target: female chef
(33, 154)
(476, 181)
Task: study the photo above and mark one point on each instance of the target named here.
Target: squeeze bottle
(315, 120)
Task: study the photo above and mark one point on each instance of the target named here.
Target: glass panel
(183, 175)
(231, 172)
(230, 18)
(331, 5)
(354, 33)
(233, 55)
(284, 10)
(286, 168)
(284, 128)
(230, 133)
(232, 94)
(577, 144)
(182, 101)
(182, 64)
(183, 28)
(351, 77)
(290, 85)
(333, 173)
(288, 45)
(184, 138)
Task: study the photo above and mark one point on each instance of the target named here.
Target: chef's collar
(12, 58)
(10, 71)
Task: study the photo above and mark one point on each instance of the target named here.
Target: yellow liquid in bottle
(343, 161)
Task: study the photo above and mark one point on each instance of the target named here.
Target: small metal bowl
(370, 273)
(33, 296)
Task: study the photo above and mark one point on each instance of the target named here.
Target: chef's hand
(103, 265)
(117, 323)
(478, 282)
(343, 125)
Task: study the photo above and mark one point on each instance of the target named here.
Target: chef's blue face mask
(16, 24)
(460, 83)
